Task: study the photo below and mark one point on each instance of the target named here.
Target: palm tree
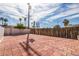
(66, 22)
(33, 24)
(5, 21)
(2, 19)
(37, 24)
(25, 21)
(20, 20)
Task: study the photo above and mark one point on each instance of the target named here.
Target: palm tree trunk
(25, 21)
(2, 22)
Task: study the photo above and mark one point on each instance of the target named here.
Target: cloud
(37, 16)
(72, 17)
(56, 11)
(63, 14)
(45, 7)
(11, 10)
(69, 11)
(43, 13)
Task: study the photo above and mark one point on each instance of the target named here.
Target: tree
(5, 21)
(2, 19)
(33, 24)
(25, 21)
(66, 22)
(20, 20)
(37, 24)
(57, 26)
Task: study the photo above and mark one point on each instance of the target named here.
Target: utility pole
(27, 44)
(29, 8)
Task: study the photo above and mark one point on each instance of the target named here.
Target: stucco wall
(14, 31)
(1, 33)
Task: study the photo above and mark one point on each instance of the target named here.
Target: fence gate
(1, 33)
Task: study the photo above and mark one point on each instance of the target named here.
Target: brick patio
(42, 46)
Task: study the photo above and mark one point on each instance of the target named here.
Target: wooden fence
(69, 32)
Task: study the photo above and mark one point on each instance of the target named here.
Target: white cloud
(38, 11)
(17, 10)
(45, 7)
(73, 5)
(72, 17)
(63, 14)
(37, 16)
(11, 9)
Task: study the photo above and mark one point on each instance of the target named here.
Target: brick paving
(39, 45)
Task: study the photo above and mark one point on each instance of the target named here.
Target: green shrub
(20, 26)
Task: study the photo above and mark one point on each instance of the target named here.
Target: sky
(46, 14)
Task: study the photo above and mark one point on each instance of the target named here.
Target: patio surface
(42, 46)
